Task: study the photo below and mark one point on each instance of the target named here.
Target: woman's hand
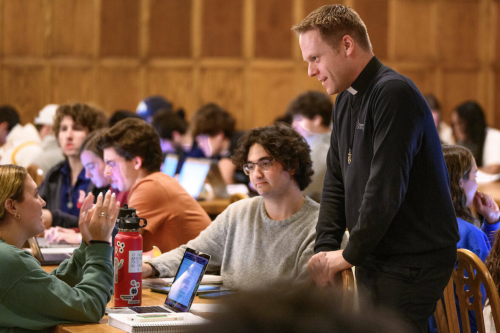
(97, 221)
(60, 235)
(486, 206)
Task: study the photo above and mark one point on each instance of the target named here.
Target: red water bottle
(128, 259)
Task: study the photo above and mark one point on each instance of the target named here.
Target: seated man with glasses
(267, 240)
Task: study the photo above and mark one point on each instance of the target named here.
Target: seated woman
(92, 160)
(62, 184)
(462, 171)
(470, 131)
(32, 299)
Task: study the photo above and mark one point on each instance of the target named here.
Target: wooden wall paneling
(310, 5)
(495, 31)
(459, 86)
(119, 28)
(118, 88)
(196, 42)
(496, 97)
(170, 28)
(422, 77)
(23, 29)
(248, 54)
(25, 88)
(273, 21)
(224, 86)
(72, 84)
(272, 90)
(375, 14)
(72, 32)
(412, 31)
(222, 28)
(458, 32)
(175, 84)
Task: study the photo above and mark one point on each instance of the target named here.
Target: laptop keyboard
(55, 256)
(148, 309)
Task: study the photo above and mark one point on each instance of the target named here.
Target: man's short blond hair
(333, 23)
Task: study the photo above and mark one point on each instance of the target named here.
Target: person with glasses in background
(266, 240)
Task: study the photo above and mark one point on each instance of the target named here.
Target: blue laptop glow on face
(170, 165)
(193, 175)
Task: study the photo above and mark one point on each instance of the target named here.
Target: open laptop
(170, 165)
(183, 290)
(45, 257)
(196, 171)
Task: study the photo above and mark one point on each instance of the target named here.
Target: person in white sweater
(267, 240)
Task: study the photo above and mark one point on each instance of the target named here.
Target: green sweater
(77, 291)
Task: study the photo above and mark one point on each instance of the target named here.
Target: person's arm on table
(211, 241)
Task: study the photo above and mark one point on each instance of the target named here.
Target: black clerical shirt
(394, 195)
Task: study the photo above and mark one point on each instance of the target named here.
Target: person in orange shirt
(133, 158)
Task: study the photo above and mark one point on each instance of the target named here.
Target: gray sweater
(250, 250)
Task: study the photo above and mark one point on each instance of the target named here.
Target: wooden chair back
(36, 173)
(468, 277)
(237, 197)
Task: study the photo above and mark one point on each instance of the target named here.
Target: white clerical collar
(352, 90)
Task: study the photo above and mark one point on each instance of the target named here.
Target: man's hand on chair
(324, 265)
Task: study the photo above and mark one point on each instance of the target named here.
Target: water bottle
(128, 259)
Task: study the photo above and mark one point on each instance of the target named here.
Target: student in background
(175, 137)
(470, 131)
(133, 157)
(266, 240)
(312, 117)
(51, 153)
(152, 105)
(92, 160)
(462, 171)
(20, 145)
(445, 132)
(79, 289)
(214, 130)
(493, 265)
(120, 115)
(62, 184)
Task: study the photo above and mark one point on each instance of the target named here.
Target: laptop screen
(193, 175)
(186, 281)
(170, 165)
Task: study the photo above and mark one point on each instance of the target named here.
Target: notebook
(183, 290)
(48, 257)
(170, 165)
(127, 323)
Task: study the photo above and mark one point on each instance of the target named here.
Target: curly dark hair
(211, 120)
(132, 137)
(472, 117)
(311, 104)
(459, 163)
(284, 144)
(83, 114)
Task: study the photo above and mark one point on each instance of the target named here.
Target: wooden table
(148, 298)
(215, 206)
(491, 188)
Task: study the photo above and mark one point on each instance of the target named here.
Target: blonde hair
(12, 179)
(333, 23)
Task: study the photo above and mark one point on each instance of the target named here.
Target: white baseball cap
(46, 115)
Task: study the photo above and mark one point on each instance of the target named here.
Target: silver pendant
(69, 205)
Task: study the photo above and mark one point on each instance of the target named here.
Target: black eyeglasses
(264, 165)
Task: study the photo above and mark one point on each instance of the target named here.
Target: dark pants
(409, 292)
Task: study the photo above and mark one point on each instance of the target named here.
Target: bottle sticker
(135, 261)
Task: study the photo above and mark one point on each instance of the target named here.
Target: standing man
(386, 178)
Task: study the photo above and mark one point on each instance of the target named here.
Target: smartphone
(217, 294)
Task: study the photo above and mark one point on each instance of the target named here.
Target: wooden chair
(467, 277)
(36, 173)
(237, 197)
